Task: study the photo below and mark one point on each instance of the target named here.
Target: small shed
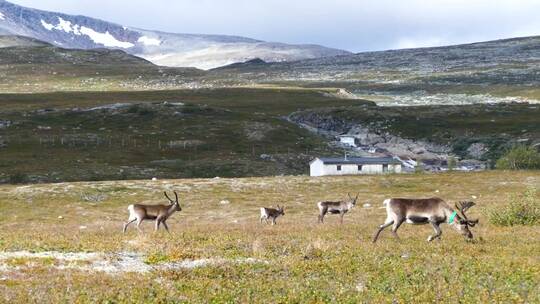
(321, 166)
(348, 140)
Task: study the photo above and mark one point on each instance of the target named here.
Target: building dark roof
(358, 160)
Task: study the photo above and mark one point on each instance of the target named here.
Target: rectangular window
(339, 167)
(385, 168)
(359, 167)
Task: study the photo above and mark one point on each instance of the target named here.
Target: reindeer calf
(271, 213)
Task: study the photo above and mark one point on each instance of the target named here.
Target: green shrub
(523, 209)
(18, 178)
(519, 158)
(452, 162)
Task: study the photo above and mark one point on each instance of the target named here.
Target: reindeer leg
(397, 223)
(273, 221)
(438, 232)
(139, 221)
(321, 215)
(158, 221)
(341, 217)
(127, 224)
(381, 228)
(165, 225)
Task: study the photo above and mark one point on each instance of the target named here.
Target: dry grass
(306, 262)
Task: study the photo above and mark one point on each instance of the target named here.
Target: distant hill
(19, 41)
(167, 49)
(481, 72)
(23, 50)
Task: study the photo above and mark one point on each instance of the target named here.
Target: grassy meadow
(63, 243)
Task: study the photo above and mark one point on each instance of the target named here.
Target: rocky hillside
(429, 133)
(168, 49)
(486, 72)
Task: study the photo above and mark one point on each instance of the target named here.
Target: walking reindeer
(159, 213)
(339, 207)
(271, 213)
(432, 211)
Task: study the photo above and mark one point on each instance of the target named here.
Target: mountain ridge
(162, 48)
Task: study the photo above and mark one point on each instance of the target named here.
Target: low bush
(523, 209)
(519, 158)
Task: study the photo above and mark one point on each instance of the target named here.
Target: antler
(463, 207)
(176, 196)
(165, 192)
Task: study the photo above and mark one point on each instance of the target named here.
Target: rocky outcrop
(371, 139)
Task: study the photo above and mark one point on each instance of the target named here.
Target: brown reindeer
(432, 211)
(339, 207)
(159, 213)
(271, 213)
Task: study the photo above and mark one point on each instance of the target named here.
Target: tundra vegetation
(232, 132)
(520, 157)
(56, 246)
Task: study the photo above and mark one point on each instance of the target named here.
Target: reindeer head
(462, 223)
(353, 200)
(174, 203)
(281, 209)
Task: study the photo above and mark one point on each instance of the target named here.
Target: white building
(353, 165)
(348, 140)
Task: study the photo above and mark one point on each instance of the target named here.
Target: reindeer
(434, 211)
(271, 213)
(159, 213)
(340, 207)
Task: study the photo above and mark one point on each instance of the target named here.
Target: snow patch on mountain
(149, 41)
(2, 16)
(106, 38)
(63, 25)
(47, 26)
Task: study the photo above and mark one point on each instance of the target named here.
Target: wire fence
(145, 143)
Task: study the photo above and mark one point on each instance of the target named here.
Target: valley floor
(63, 243)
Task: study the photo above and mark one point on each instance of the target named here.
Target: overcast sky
(354, 25)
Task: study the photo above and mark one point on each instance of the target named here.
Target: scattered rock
(266, 157)
(224, 202)
(477, 150)
(5, 123)
(360, 287)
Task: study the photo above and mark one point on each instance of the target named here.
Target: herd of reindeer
(434, 211)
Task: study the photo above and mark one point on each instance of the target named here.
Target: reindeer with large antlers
(423, 211)
(159, 213)
(339, 207)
